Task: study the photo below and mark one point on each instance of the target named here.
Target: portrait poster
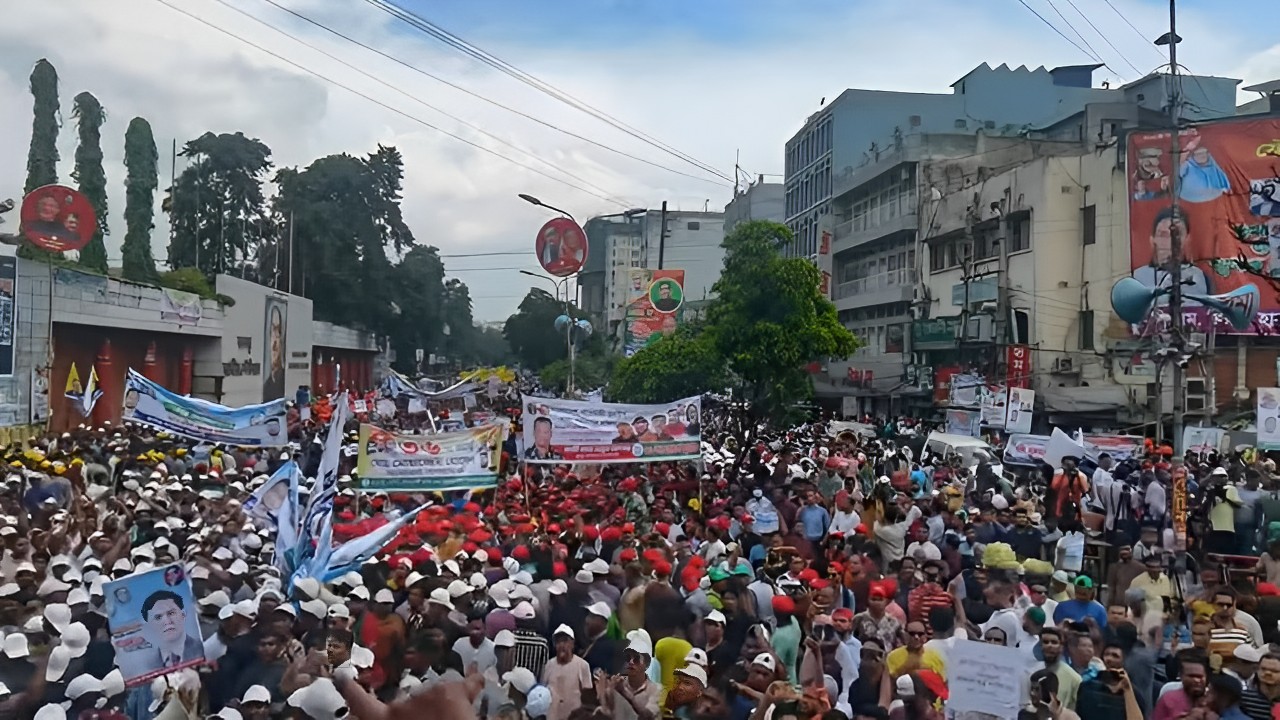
(275, 334)
(1019, 410)
(8, 313)
(964, 422)
(262, 425)
(263, 506)
(655, 302)
(1269, 418)
(557, 431)
(1228, 215)
(561, 247)
(465, 459)
(154, 623)
(40, 395)
(57, 218)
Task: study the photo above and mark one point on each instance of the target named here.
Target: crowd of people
(805, 574)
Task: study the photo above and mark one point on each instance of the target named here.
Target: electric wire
(1146, 41)
(1053, 27)
(424, 103)
(483, 56)
(385, 106)
(1072, 28)
(488, 100)
(1105, 39)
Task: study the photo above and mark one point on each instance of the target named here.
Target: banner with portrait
(1268, 418)
(655, 302)
(8, 312)
(261, 425)
(263, 506)
(557, 431)
(1019, 410)
(274, 354)
(964, 422)
(463, 460)
(154, 623)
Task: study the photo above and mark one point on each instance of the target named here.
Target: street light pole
(568, 331)
(1176, 223)
(535, 201)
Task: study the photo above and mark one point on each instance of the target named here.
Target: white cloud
(709, 99)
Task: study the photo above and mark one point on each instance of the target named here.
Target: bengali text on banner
(558, 431)
(463, 460)
(261, 425)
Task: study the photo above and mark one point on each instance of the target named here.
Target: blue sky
(713, 78)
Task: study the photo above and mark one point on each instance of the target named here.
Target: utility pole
(662, 235)
(1176, 224)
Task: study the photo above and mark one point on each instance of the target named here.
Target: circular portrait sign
(561, 247)
(666, 295)
(57, 218)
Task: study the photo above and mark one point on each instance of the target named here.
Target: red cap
(628, 527)
(559, 569)
(494, 555)
(808, 575)
(662, 568)
(664, 529)
(470, 547)
(521, 553)
(784, 604)
(591, 532)
(627, 555)
(842, 614)
(553, 528)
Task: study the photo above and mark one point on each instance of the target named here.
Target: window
(935, 259)
(1021, 327)
(1019, 234)
(1089, 223)
(1086, 329)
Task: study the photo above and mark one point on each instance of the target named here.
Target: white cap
(314, 608)
(222, 554)
(308, 586)
(75, 639)
(359, 592)
(538, 704)
(286, 608)
(319, 700)
(81, 684)
(478, 581)
(9, 590)
(523, 578)
(715, 616)
(521, 679)
(52, 585)
(459, 588)
(15, 646)
(563, 630)
(498, 592)
(600, 609)
(1248, 653)
(906, 686)
(361, 657)
(113, 683)
(59, 659)
(78, 596)
(122, 565)
(339, 611)
(504, 638)
(59, 616)
(228, 713)
(522, 611)
(696, 656)
(217, 599)
(440, 596)
(452, 566)
(245, 608)
(239, 567)
(640, 642)
(765, 660)
(694, 671)
(51, 711)
(384, 596)
(584, 576)
(557, 587)
(597, 567)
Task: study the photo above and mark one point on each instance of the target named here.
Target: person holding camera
(1109, 695)
(1223, 499)
(1045, 704)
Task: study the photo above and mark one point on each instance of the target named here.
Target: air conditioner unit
(1064, 365)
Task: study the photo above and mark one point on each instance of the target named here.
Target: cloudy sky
(707, 78)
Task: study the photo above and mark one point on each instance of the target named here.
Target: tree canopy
(90, 176)
(140, 159)
(42, 156)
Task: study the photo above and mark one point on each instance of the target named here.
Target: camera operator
(1221, 499)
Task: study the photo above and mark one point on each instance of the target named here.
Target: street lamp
(535, 201)
(568, 331)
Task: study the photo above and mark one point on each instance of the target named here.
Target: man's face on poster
(47, 209)
(166, 623)
(664, 291)
(1162, 239)
(542, 433)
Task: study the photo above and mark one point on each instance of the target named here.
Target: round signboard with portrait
(57, 218)
(666, 295)
(561, 247)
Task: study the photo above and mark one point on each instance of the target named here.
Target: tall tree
(42, 157)
(89, 175)
(217, 206)
(769, 319)
(531, 330)
(140, 160)
(675, 366)
(418, 288)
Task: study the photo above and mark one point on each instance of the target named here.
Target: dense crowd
(806, 574)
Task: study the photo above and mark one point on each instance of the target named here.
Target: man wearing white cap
(598, 649)
(475, 650)
(634, 694)
(566, 676)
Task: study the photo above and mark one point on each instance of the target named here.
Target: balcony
(848, 237)
(889, 287)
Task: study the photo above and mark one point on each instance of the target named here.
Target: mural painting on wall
(273, 348)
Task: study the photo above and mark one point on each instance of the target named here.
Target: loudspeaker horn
(1132, 300)
(1239, 307)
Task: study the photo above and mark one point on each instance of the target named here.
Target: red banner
(1229, 208)
(1018, 361)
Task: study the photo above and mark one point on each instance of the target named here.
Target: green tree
(418, 288)
(91, 178)
(676, 366)
(531, 330)
(768, 319)
(217, 207)
(42, 157)
(140, 160)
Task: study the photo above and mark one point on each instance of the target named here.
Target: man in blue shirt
(814, 519)
(1082, 606)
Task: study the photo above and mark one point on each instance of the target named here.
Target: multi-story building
(758, 201)
(619, 243)
(866, 169)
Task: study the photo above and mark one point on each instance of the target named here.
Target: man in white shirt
(476, 650)
(846, 518)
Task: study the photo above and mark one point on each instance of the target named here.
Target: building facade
(868, 171)
(758, 201)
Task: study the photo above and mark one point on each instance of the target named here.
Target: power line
(385, 106)
(483, 56)
(1104, 38)
(1053, 27)
(424, 103)
(1146, 41)
(485, 99)
(1073, 29)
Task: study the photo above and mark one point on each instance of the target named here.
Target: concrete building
(758, 201)
(864, 168)
(620, 243)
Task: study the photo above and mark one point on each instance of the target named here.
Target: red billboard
(561, 247)
(1018, 364)
(57, 218)
(1229, 214)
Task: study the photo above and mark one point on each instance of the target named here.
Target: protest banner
(557, 431)
(261, 425)
(1019, 410)
(964, 422)
(461, 460)
(154, 623)
(985, 680)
